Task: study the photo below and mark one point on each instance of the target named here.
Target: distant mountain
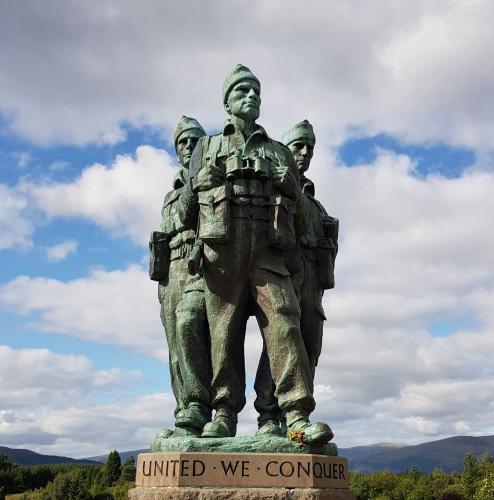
(446, 454)
(28, 457)
(124, 455)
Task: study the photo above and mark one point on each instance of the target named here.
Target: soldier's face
(302, 150)
(244, 100)
(185, 147)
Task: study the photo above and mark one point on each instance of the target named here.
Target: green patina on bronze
(183, 310)
(318, 247)
(243, 235)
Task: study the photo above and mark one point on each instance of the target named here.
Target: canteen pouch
(282, 230)
(159, 256)
(214, 214)
(325, 263)
(330, 228)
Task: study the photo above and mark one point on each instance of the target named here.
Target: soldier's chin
(251, 112)
(302, 167)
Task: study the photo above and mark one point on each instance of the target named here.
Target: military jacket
(247, 192)
(180, 237)
(319, 243)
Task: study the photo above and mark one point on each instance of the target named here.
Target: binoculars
(253, 167)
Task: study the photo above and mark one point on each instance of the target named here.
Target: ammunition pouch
(194, 265)
(330, 228)
(325, 263)
(159, 256)
(214, 214)
(282, 230)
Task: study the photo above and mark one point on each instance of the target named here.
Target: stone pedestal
(200, 475)
(190, 493)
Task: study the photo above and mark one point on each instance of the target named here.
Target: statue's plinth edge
(241, 444)
(193, 493)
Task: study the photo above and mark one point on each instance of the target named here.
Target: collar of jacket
(229, 129)
(307, 185)
(180, 179)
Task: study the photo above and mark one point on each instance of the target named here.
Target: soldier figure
(243, 196)
(186, 333)
(318, 248)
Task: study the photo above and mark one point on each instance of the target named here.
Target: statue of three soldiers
(242, 234)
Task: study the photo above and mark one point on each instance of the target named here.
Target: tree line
(475, 482)
(68, 481)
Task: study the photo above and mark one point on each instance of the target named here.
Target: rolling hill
(446, 454)
(28, 457)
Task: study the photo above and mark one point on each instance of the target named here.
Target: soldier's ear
(227, 108)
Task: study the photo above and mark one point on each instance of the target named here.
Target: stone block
(205, 493)
(242, 470)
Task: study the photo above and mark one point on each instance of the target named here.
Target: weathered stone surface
(266, 444)
(191, 493)
(241, 470)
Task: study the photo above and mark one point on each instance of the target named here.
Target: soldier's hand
(285, 181)
(209, 177)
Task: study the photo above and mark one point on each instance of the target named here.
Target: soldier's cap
(238, 74)
(300, 131)
(185, 124)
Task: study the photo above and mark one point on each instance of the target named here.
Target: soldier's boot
(163, 434)
(317, 433)
(223, 425)
(269, 428)
(191, 420)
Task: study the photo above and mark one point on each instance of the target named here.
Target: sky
(401, 96)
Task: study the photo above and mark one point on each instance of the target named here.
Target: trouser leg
(279, 319)
(265, 402)
(312, 315)
(227, 325)
(170, 295)
(194, 348)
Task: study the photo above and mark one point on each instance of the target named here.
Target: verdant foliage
(68, 482)
(128, 472)
(476, 482)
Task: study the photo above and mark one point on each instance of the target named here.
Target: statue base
(191, 493)
(241, 444)
(240, 475)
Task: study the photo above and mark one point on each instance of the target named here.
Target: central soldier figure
(243, 197)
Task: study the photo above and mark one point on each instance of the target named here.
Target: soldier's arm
(188, 207)
(302, 218)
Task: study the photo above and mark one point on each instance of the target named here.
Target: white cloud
(39, 377)
(124, 197)
(16, 227)
(61, 251)
(387, 66)
(108, 307)
(53, 408)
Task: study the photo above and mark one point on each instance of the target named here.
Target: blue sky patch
(434, 158)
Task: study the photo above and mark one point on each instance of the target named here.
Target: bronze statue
(318, 249)
(243, 197)
(185, 327)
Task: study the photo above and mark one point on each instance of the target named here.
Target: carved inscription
(242, 470)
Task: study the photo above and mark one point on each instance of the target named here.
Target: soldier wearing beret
(318, 248)
(244, 198)
(186, 326)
